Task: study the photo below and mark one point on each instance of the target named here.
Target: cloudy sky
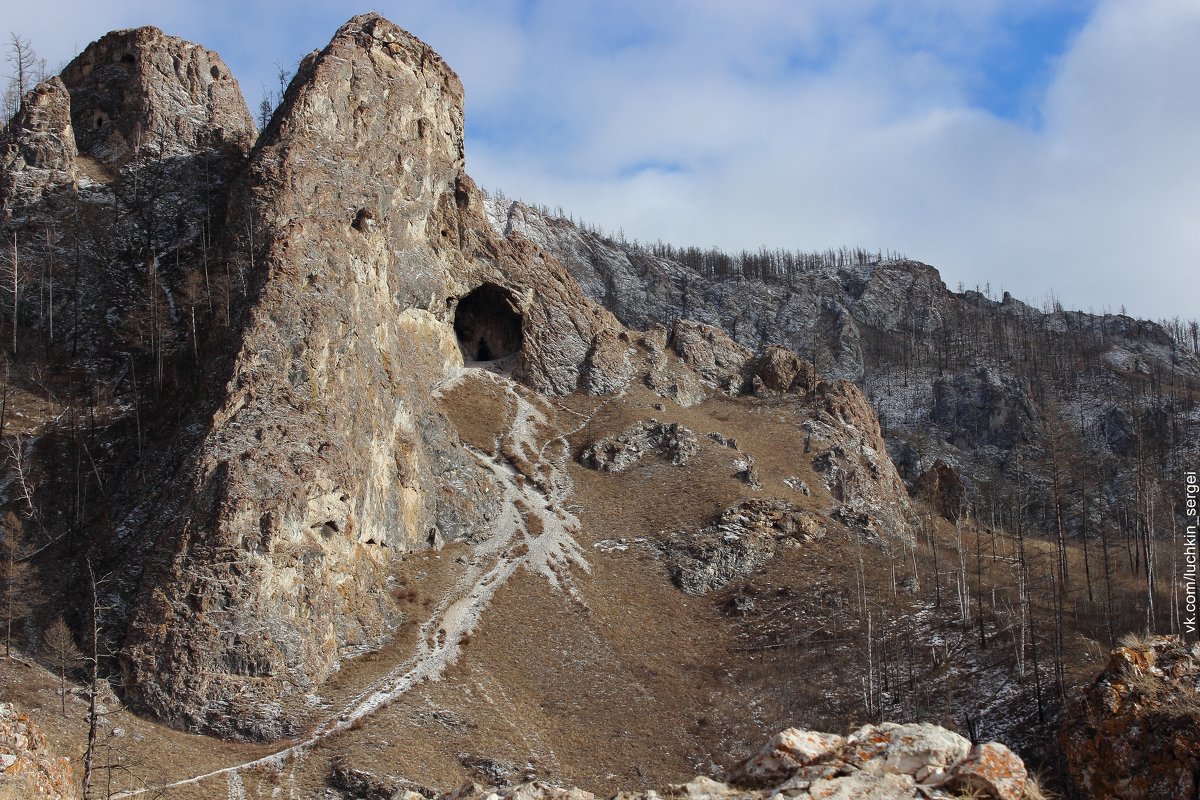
(1033, 145)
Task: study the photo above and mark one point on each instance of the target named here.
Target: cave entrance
(488, 324)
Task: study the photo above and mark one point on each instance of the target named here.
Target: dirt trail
(549, 549)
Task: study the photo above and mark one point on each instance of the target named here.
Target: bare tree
(61, 652)
(26, 69)
(22, 60)
(265, 108)
(15, 283)
(93, 665)
(14, 578)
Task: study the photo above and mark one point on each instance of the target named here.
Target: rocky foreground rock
(1134, 734)
(28, 768)
(875, 762)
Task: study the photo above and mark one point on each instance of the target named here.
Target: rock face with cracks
(740, 539)
(324, 453)
(27, 766)
(140, 89)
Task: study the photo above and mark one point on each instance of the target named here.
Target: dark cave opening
(488, 324)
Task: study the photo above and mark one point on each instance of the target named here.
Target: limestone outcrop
(876, 762)
(1134, 733)
(850, 455)
(960, 376)
(323, 454)
(39, 152)
(739, 540)
(113, 182)
(313, 290)
(671, 441)
(27, 766)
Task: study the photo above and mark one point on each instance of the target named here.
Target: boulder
(990, 769)
(1134, 733)
(942, 487)
(779, 370)
(786, 753)
(712, 354)
(740, 539)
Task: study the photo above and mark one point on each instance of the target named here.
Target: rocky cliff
(354, 273)
(340, 450)
(956, 376)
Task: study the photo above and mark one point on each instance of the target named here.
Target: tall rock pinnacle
(360, 234)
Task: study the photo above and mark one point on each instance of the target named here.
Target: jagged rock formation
(739, 540)
(41, 152)
(139, 91)
(27, 767)
(113, 175)
(672, 441)
(308, 355)
(321, 287)
(1134, 733)
(858, 472)
(942, 487)
(889, 761)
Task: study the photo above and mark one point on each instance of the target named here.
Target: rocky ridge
(950, 373)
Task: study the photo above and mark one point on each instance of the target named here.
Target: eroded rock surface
(850, 456)
(1134, 733)
(738, 541)
(39, 152)
(670, 441)
(27, 766)
(325, 453)
(141, 90)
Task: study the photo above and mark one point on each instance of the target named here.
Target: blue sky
(1033, 145)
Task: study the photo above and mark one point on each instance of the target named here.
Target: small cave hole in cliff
(488, 324)
(364, 220)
